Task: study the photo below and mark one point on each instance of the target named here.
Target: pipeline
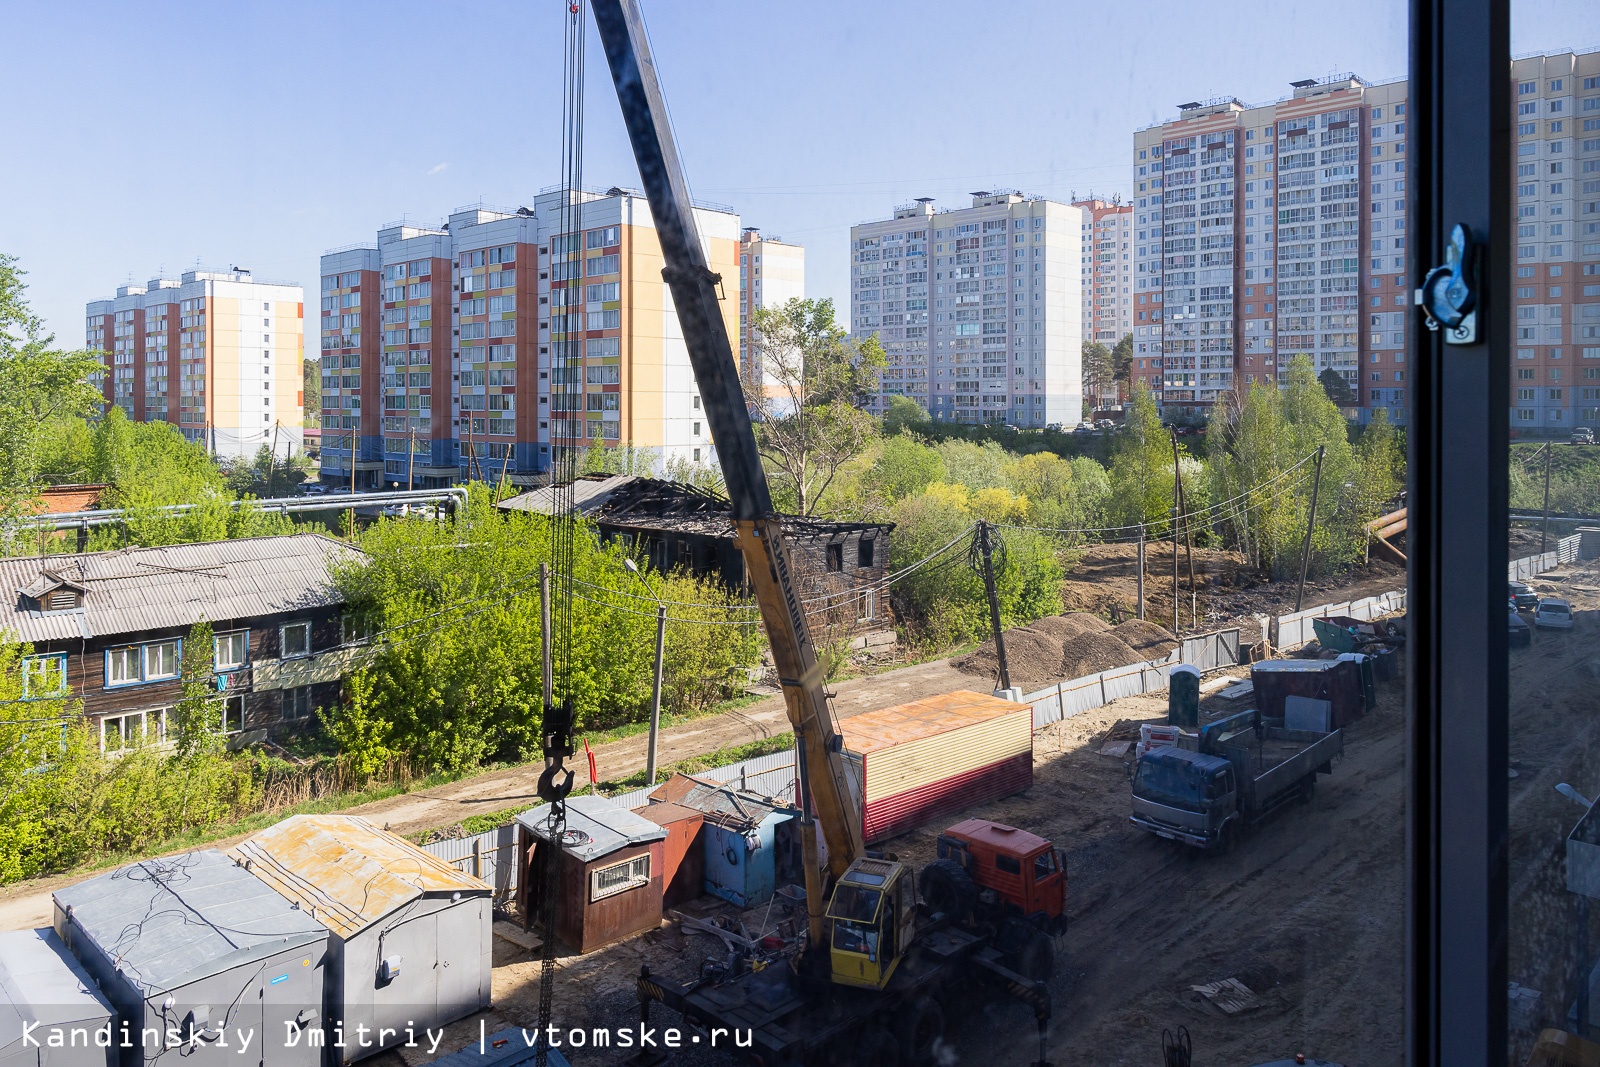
(454, 497)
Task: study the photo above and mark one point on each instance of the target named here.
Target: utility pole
(655, 698)
(987, 552)
(544, 635)
(272, 462)
(1181, 498)
(1311, 524)
(1544, 532)
(1141, 571)
(1177, 512)
(411, 459)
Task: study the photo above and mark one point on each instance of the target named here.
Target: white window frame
(231, 636)
(233, 714)
(43, 665)
(634, 873)
(143, 720)
(122, 653)
(150, 674)
(283, 640)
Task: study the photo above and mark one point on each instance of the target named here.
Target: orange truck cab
(1017, 874)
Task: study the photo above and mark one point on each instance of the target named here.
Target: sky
(142, 139)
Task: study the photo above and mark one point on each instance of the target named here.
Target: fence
(491, 856)
(1072, 696)
(1566, 551)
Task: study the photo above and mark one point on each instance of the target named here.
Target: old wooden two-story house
(841, 568)
(109, 628)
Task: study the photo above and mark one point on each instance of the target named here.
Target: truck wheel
(918, 1027)
(876, 1046)
(1036, 959)
(1308, 788)
(947, 887)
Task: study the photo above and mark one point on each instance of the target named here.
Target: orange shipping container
(914, 762)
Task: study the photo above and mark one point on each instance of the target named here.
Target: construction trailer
(915, 762)
(749, 842)
(683, 870)
(197, 945)
(609, 872)
(409, 936)
(46, 996)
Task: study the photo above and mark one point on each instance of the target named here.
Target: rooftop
(41, 983)
(634, 502)
(131, 590)
(345, 872)
(728, 807)
(167, 922)
(595, 827)
(886, 727)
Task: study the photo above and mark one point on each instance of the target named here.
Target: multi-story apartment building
(771, 272)
(1107, 269)
(979, 309)
(215, 352)
(1263, 233)
(503, 336)
(1556, 375)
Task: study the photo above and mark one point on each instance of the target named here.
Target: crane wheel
(918, 1028)
(947, 887)
(1036, 958)
(875, 1045)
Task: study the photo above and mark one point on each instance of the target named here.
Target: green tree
(39, 383)
(808, 390)
(311, 393)
(189, 724)
(43, 743)
(904, 415)
(1141, 465)
(1337, 388)
(903, 466)
(1098, 372)
(1122, 359)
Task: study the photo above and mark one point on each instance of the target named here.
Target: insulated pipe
(69, 520)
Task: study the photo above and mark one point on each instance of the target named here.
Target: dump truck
(1215, 784)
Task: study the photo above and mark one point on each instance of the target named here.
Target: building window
(133, 664)
(232, 650)
(355, 628)
(836, 557)
(296, 638)
(133, 728)
(867, 606)
(233, 715)
(44, 675)
(296, 703)
(864, 551)
(619, 877)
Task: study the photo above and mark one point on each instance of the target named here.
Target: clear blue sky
(145, 137)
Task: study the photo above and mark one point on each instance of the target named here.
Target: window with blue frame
(44, 675)
(138, 664)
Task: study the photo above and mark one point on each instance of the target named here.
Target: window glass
(161, 660)
(232, 649)
(122, 665)
(296, 639)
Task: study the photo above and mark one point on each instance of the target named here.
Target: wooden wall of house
(86, 666)
(815, 557)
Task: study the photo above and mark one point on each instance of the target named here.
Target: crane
(894, 962)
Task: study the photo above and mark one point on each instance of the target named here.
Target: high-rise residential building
(1262, 233)
(771, 273)
(979, 309)
(496, 319)
(1107, 269)
(1556, 375)
(217, 353)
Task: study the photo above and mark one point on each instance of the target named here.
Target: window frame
(216, 651)
(636, 878)
(295, 705)
(283, 639)
(29, 668)
(141, 649)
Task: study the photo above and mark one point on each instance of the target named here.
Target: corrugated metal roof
(724, 805)
(136, 589)
(171, 921)
(588, 493)
(597, 827)
(41, 983)
(887, 727)
(347, 873)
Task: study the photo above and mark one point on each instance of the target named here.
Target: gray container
(45, 992)
(1183, 696)
(410, 937)
(194, 944)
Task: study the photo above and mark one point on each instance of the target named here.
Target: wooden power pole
(1544, 532)
(1311, 524)
(986, 550)
(1140, 607)
(411, 459)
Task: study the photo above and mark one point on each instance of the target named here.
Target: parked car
(1103, 424)
(1523, 598)
(1553, 613)
(1582, 435)
(1521, 636)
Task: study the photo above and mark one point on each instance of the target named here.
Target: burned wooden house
(841, 567)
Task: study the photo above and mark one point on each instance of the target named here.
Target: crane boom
(757, 529)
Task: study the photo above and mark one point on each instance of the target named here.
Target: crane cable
(556, 729)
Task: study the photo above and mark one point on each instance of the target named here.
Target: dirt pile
(1092, 653)
(1070, 625)
(1144, 636)
(1034, 659)
(1065, 646)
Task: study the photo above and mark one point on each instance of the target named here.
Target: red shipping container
(684, 861)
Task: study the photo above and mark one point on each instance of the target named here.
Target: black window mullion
(1460, 172)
